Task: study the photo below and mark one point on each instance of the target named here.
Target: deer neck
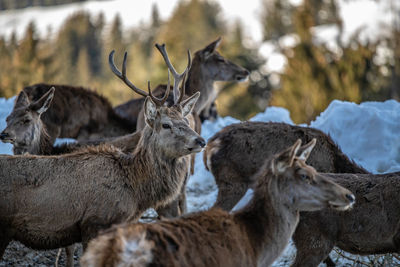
(269, 221)
(199, 81)
(158, 177)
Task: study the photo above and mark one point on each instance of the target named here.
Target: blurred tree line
(313, 76)
(18, 4)
(315, 73)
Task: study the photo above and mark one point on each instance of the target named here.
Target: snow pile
(368, 133)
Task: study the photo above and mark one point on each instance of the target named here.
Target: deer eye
(25, 121)
(305, 177)
(166, 126)
(221, 60)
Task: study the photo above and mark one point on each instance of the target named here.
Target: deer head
(24, 125)
(167, 126)
(217, 67)
(307, 189)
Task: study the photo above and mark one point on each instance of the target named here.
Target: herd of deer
(139, 155)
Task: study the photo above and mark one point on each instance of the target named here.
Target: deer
(372, 226)
(178, 206)
(234, 153)
(27, 132)
(71, 197)
(208, 66)
(254, 235)
(78, 113)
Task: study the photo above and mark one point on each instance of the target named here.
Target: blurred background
(302, 54)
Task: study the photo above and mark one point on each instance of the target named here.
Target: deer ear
(44, 102)
(22, 100)
(188, 104)
(209, 49)
(285, 159)
(150, 111)
(305, 151)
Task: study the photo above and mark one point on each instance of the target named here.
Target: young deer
(371, 227)
(77, 113)
(28, 133)
(234, 154)
(252, 236)
(66, 199)
(208, 66)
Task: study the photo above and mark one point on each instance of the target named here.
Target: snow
(368, 133)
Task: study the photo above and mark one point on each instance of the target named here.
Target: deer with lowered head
(208, 66)
(371, 227)
(49, 202)
(252, 236)
(234, 154)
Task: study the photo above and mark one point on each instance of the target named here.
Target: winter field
(367, 133)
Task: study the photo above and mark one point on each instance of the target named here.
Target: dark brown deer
(208, 66)
(252, 236)
(49, 202)
(235, 153)
(371, 227)
(78, 113)
(28, 134)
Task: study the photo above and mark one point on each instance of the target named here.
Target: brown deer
(234, 154)
(371, 227)
(28, 133)
(208, 66)
(252, 236)
(78, 113)
(49, 202)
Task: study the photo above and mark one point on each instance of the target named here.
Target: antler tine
(182, 90)
(156, 100)
(177, 77)
(122, 75)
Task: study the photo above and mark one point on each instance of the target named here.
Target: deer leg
(69, 251)
(230, 194)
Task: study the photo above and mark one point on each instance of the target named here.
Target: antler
(123, 77)
(160, 102)
(178, 95)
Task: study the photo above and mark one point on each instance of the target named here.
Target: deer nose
(200, 141)
(351, 198)
(4, 135)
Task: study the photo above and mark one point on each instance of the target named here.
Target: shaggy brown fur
(54, 201)
(79, 113)
(371, 227)
(252, 236)
(235, 153)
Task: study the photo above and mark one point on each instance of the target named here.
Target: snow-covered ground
(368, 133)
